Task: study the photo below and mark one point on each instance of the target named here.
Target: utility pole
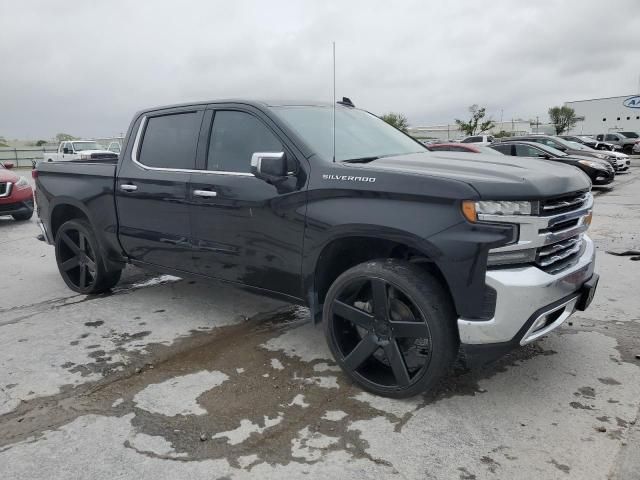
(537, 124)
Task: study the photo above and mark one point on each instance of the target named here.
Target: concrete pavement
(169, 378)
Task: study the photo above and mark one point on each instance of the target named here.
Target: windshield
(580, 146)
(359, 134)
(630, 134)
(488, 150)
(80, 146)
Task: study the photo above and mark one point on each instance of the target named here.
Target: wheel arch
(66, 209)
(345, 250)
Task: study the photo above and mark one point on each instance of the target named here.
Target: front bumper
(16, 208)
(530, 303)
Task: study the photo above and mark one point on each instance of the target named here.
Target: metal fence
(25, 156)
(29, 156)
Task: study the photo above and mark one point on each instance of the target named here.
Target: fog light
(508, 258)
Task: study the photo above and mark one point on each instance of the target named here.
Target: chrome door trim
(134, 158)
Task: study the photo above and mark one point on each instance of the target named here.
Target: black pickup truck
(406, 256)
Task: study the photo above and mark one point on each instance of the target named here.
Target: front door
(245, 229)
(151, 189)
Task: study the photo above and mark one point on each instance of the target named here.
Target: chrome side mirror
(269, 165)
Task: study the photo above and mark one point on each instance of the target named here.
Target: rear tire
(22, 216)
(390, 326)
(80, 260)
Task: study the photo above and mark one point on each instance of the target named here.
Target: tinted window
(506, 149)
(611, 137)
(235, 137)
(472, 140)
(527, 151)
(170, 141)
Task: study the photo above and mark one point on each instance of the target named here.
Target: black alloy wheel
(79, 261)
(381, 329)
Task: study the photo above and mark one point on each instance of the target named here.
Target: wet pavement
(171, 378)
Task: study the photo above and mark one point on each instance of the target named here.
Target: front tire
(390, 326)
(80, 260)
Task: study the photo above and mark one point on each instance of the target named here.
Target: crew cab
(79, 150)
(403, 255)
(625, 140)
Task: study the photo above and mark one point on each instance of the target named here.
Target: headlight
(22, 183)
(471, 209)
(85, 156)
(596, 165)
(601, 156)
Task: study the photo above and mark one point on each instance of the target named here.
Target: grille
(560, 255)
(5, 189)
(103, 155)
(562, 204)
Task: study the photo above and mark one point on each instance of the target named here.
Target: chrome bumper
(524, 292)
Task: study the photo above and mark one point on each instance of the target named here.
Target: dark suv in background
(599, 171)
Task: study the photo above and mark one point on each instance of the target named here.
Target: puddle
(257, 401)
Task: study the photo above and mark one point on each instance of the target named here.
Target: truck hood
(492, 176)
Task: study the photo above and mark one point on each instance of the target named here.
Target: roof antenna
(334, 103)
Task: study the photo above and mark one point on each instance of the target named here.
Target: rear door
(151, 188)
(245, 229)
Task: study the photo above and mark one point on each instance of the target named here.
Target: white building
(611, 114)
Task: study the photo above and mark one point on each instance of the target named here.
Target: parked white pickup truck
(79, 150)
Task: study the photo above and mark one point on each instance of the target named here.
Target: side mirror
(269, 165)
(8, 165)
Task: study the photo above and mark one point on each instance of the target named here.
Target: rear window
(472, 140)
(170, 141)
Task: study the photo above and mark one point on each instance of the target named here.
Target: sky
(84, 67)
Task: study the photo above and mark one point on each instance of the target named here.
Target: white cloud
(86, 67)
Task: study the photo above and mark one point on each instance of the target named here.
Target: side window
(599, 138)
(170, 141)
(527, 151)
(506, 149)
(235, 137)
(611, 137)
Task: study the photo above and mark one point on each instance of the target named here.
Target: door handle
(127, 187)
(205, 193)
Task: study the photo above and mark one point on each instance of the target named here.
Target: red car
(460, 147)
(16, 194)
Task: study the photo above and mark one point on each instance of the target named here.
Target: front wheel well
(342, 254)
(64, 213)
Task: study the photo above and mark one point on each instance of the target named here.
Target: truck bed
(85, 185)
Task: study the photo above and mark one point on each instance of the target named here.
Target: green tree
(40, 143)
(502, 133)
(476, 123)
(64, 137)
(562, 118)
(396, 120)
